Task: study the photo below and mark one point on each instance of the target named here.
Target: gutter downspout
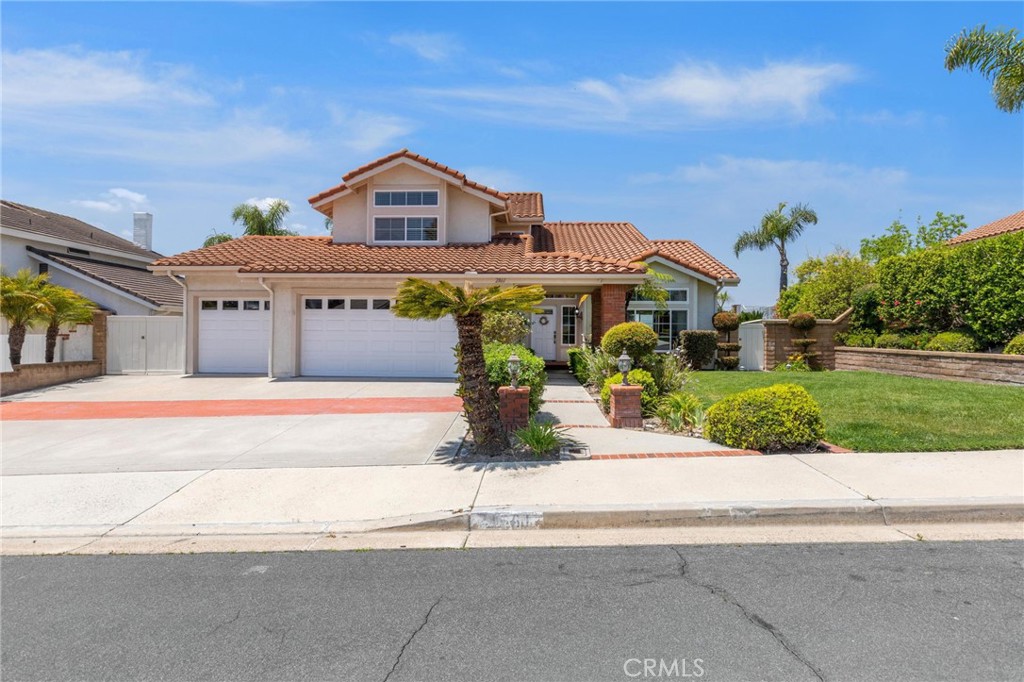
(184, 320)
(270, 346)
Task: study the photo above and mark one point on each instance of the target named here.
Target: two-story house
(320, 306)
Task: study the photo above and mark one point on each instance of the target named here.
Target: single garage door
(361, 337)
(234, 335)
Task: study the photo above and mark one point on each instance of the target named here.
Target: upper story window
(405, 198)
(406, 229)
(674, 296)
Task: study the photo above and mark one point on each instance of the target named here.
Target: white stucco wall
(469, 218)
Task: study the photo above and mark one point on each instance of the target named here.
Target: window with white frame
(405, 198)
(667, 322)
(405, 229)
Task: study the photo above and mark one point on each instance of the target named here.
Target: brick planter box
(625, 412)
(987, 368)
(28, 377)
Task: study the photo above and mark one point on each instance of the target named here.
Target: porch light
(513, 369)
(625, 362)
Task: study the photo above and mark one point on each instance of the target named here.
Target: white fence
(752, 348)
(138, 344)
(78, 346)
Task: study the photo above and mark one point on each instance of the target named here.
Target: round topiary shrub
(953, 342)
(728, 362)
(1016, 345)
(636, 338)
(726, 321)
(638, 377)
(803, 322)
(779, 417)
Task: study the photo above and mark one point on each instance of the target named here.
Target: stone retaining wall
(778, 340)
(988, 368)
(28, 377)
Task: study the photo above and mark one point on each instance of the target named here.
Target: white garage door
(234, 335)
(361, 337)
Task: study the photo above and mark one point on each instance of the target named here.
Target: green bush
(865, 310)
(679, 411)
(636, 338)
(953, 342)
(531, 370)
(864, 338)
(729, 347)
(797, 362)
(697, 347)
(594, 366)
(726, 321)
(505, 327)
(576, 363)
(543, 438)
(728, 362)
(788, 301)
(670, 372)
(1015, 346)
(825, 286)
(779, 417)
(887, 340)
(903, 341)
(802, 322)
(637, 377)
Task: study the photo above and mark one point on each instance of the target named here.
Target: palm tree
(217, 238)
(263, 223)
(22, 304)
(421, 300)
(66, 307)
(998, 55)
(776, 230)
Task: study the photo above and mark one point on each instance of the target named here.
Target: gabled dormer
(407, 199)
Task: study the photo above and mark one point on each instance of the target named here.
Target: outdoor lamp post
(624, 364)
(513, 369)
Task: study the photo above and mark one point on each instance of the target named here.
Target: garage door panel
(233, 341)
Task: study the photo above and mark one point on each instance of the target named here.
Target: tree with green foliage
(422, 300)
(66, 307)
(998, 55)
(23, 304)
(897, 240)
(217, 238)
(825, 286)
(263, 223)
(777, 229)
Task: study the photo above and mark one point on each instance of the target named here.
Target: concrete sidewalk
(119, 511)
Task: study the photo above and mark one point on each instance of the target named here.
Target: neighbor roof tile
(29, 219)
(1011, 223)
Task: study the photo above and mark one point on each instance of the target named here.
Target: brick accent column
(595, 317)
(514, 407)
(625, 410)
(99, 339)
(612, 308)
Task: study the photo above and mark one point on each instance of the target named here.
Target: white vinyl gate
(140, 344)
(752, 345)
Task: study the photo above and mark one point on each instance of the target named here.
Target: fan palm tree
(998, 55)
(262, 223)
(66, 307)
(777, 229)
(421, 300)
(23, 304)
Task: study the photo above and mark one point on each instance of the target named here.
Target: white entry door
(359, 336)
(544, 332)
(234, 335)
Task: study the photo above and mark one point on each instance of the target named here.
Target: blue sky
(688, 119)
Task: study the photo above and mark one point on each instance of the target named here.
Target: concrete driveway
(175, 423)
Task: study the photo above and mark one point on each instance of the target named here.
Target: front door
(544, 332)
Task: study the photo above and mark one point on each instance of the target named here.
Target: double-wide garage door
(361, 337)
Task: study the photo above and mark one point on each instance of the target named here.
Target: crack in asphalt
(225, 624)
(415, 632)
(753, 618)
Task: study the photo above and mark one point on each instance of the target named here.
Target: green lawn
(873, 412)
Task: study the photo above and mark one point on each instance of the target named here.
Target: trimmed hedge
(649, 396)
(1016, 345)
(779, 417)
(531, 370)
(726, 321)
(953, 342)
(803, 322)
(698, 346)
(636, 338)
(577, 364)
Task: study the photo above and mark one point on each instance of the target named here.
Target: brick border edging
(985, 368)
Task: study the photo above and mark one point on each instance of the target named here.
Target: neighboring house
(320, 306)
(1011, 223)
(108, 270)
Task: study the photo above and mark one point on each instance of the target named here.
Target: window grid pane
(358, 304)
(568, 326)
(314, 304)
(335, 304)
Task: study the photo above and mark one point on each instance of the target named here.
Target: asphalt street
(907, 611)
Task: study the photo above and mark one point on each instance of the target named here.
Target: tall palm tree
(421, 300)
(22, 304)
(266, 223)
(777, 229)
(998, 55)
(66, 307)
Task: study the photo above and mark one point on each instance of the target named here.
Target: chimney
(143, 233)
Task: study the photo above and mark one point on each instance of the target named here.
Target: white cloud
(97, 205)
(131, 197)
(497, 178)
(57, 78)
(367, 131)
(264, 203)
(434, 47)
(688, 95)
(114, 201)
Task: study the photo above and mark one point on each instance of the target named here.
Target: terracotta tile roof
(691, 256)
(506, 254)
(139, 282)
(1011, 223)
(526, 205)
(29, 219)
(458, 175)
